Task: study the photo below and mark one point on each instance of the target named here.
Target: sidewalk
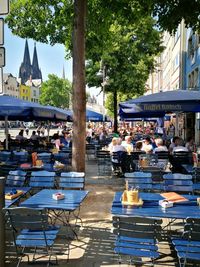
(94, 247)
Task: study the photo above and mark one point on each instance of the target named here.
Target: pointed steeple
(25, 68)
(26, 60)
(36, 72)
(35, 58)
(63, 75)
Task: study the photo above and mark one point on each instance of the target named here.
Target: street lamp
(102, 74)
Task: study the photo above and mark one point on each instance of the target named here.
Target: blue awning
(19, 109)
(170, 101)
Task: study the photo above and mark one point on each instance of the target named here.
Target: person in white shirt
(34, 137)
(127, 144)
(147, 146)
(20, 136)
(179, 146)
(160, 147)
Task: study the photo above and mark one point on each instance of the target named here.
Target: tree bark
(79, 92)
(115, 111)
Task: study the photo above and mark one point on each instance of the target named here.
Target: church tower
(28, 71)
(25, 68)
(36, 72)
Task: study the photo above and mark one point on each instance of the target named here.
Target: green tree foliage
(171, 12)
(128, 58)
(56, 92)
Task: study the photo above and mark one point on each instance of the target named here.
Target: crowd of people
(127, 139)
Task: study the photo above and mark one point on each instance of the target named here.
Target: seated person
(20, 137)
(147, 145)
(138, 146)
(34, 137)
(179, 147)
(128, 144)
(159, 146)
(190, 145)
(118, 153)
(174, 143)
(66, 139)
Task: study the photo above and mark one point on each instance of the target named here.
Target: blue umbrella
(19, 109)
(12, 108)
(93, 116)
(90, 115)
(169, 101)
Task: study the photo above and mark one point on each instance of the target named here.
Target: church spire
(35, 58)
(25, 68)
(36, 72)
(26, 59)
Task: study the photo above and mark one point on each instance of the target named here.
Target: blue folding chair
(20, 156)
(5, 156)
(178, 182)
(137, 237)
(42, 179)
(45, 157)
(142, 180)
(16, 178)
(72, 180)
(32, 233)
(188, 247)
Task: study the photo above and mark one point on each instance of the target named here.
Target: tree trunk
(79, 93)
(115, 111)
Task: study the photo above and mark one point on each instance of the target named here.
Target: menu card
(174, 197)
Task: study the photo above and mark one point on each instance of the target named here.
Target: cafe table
(10, 202)
(151, 207)
(59, 210)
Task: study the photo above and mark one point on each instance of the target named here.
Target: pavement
(94, 245)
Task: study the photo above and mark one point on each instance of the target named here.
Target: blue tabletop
(151, 208)
(43, 199)
(8, 203)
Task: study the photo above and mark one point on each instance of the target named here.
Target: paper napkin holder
(58, 196)
(165, 203)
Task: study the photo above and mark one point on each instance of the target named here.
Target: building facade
(10, 85)
(25, 92)
(178, 68)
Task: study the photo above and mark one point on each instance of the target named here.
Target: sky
(51, 58)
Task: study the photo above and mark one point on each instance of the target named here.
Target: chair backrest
(62, 157)
(72, 180)
(192, 229)
(103, 156)
(20, 156)
(137, 227)
(45, 157)
(5, 156)
(27, 218)
(155, 171)
(16, 178)
(142, 180)
(183, 157)
(119, 156)
(162, 154)
(42, 179)
(178, 182)
(135, 154)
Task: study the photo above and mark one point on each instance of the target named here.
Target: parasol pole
(6, 131)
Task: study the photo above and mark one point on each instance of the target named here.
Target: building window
(193, 79)
(176, 62)
(177, 34)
